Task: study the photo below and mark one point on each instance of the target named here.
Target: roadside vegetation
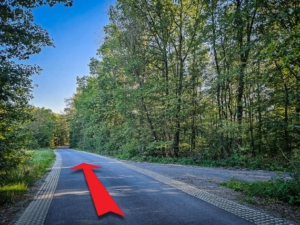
(232, 162)
(278, 190)
(17, 181)
(21, 125)
(44, 130)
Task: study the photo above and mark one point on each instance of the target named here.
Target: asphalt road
(142, 199)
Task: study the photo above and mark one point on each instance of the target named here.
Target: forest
(196, 79)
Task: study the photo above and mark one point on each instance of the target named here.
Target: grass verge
(278, 190)
(18, 180)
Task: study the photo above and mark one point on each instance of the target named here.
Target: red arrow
(103, 202)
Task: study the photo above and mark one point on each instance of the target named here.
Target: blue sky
(77, 32)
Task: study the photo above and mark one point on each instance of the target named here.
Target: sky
(77, 33)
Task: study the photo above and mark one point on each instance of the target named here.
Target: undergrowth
(233, 162)
(281, 190)
(18, 180)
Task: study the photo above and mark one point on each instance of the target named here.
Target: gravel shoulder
(208, 179)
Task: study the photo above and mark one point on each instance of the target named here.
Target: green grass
(165, 160)
(278, 190)
(18, 180)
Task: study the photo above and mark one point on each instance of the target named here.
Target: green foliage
(46, 129)
(234, 161)
(167, 160)
(195, 82)
(14, 182)
(9, 193)
(279, 190)
(20, 37)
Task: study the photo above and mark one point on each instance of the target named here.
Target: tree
(47, 129)
(20, 37)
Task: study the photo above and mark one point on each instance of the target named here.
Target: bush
(17, 180)
(279, 190)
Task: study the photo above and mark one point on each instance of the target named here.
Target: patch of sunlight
(71, 193)
(14, 187)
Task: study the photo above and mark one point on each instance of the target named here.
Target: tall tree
(20, 37)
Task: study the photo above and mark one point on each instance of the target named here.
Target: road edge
(255, 216)
(37, 210)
